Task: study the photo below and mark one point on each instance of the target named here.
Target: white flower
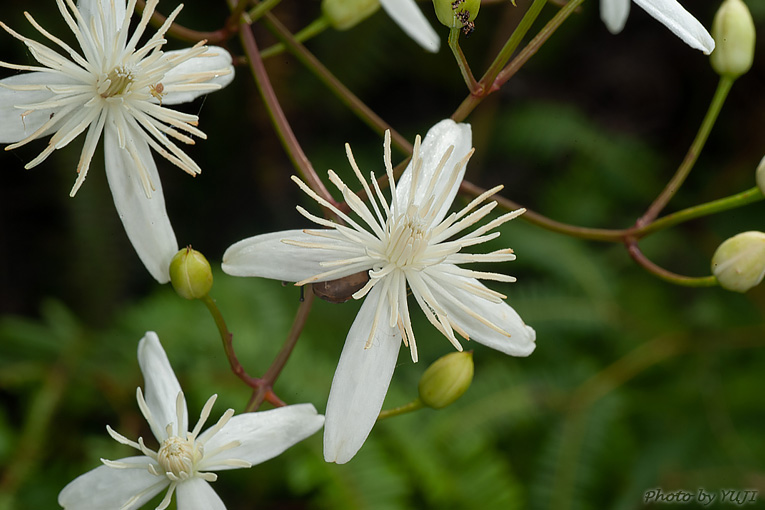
(185, 460)
(411, 20)
(409, 243)
(119, 88)
(669, 12)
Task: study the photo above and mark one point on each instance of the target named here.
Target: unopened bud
(734, 34)
(446, 379)
(760, 175)
(457, 13)
(190, 274)
(739, 262)
(345, 14)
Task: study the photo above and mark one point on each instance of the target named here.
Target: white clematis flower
(185, 460)
(119, 88)
(412, 21)
(669, 12)
(410, 244)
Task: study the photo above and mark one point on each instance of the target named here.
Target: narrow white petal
(521, 341)
(107, 488)
(411, 20)
(196, 494)
(614, 14)
(213, 60)
(680, 22)
(361, 381)
(17, 123)
(161, 385)
(261, 436)
(145, 219)
(439, 138)
(267, 256)
(89, 9)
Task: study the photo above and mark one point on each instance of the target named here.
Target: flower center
(117, 82)
(179, 457)
(408, 239)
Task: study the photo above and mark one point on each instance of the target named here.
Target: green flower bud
(446, 379)
(457, 13)
(739, 262)
(760, 175)
(733, 32)
(190, 274)
(345, 14)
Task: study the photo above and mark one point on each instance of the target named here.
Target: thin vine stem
(182, 33)
(687, 281)
(414, 405)
(277, 365)
(723, 88)
(467, 74)
(313, 29)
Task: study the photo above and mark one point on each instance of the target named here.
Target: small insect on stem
(341, 290)
(157, 91)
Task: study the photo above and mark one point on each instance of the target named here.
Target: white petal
(145, 220)
(521, 341)
(267, 256)
(361, 381)
(196, 494)
(411, 20)
(680, 22)
(215, 58)
(261, 436)
(614, 14)
(107, 488)
(89, 9)
(16, 123)
(439, 138)
(161, 385)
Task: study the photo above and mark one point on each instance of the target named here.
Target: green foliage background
(635, 384)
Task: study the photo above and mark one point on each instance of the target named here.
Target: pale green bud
(760, 175)
(446, 379)
(739, 262)
(734, 34)
(457, 13)
(344, 14)
(190, 274)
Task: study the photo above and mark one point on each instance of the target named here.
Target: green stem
(316, 27)
(512, 44)
(348, 98)
(467, 74)
(723, 87)
(269, 378)
(723, 204)
(414, 405)
(668, 276)
(260, 10)
(279, 120)
(228, 347)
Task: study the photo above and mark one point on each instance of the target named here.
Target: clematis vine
(119, 89)
(669, 12)
(411, 245)
(185, 461)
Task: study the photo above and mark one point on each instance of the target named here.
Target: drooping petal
(439, 138)
(411, 20)
(196, 494)
(261, 436)
(267, 256)
(145, 219)
(108, 488)
(18, 123)
(361, 381)
(614, 14)
(460, 304)
(680, 22)
(161, 386)
(214, 59)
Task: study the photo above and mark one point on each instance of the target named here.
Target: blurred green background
(635, 384)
